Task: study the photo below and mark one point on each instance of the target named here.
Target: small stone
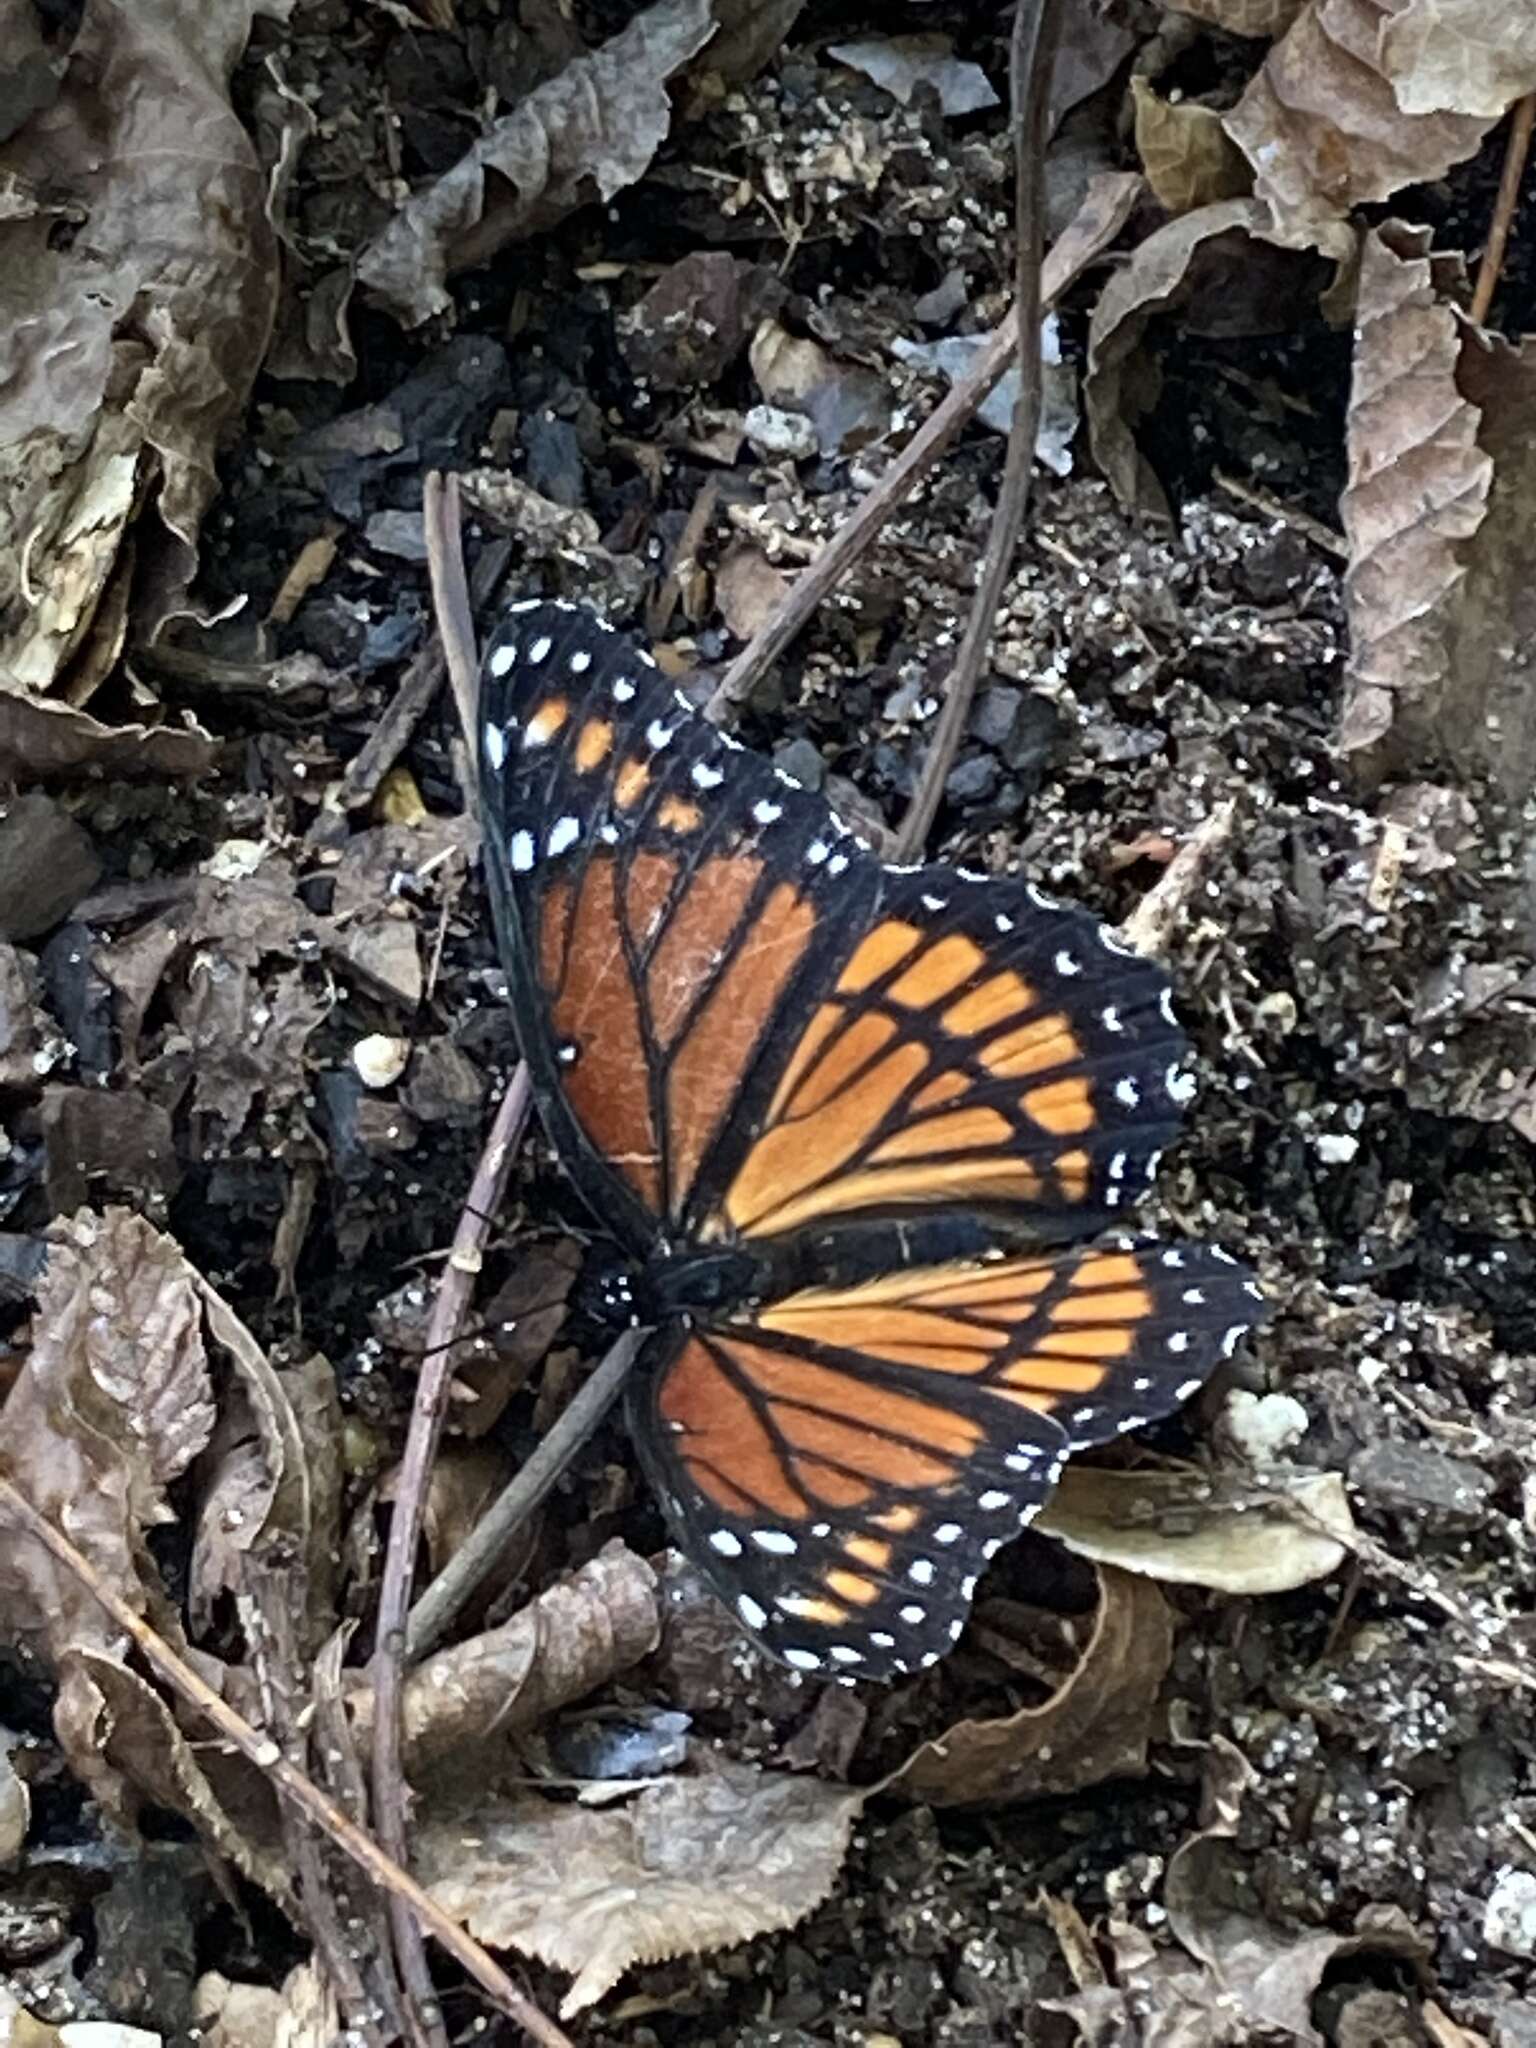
(1509, 1918)
(802, 762)
(781, 435)
(1408, 1476)
(997, 710)
(971, 780)
(379, 1060)
(1335, 1148)
(47, 863)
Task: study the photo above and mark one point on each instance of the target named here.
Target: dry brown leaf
(687, 1866)
(303, 2013)
(128, 348)
(584, 134)
(47, 742)
(1441, 584)
(488, 1690)
(1187, 154)
(1468, 56)
(1095, 1726)
(750, 33)
(1168, 269)
(1190, 1530)
(1325, 128)
(113, 1403)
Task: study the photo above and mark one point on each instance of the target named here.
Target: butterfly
(852, 1130)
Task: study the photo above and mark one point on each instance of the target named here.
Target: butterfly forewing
(843, 1464)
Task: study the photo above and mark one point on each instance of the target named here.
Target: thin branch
(1034, 47)
(265, 1754)
(451, 608)
(1515, 154)
(475, 1559)
(1102, 215)
(391, 1804)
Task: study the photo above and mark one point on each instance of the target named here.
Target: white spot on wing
(993, 1500)
(803, 1660)
(563, 835)
(520, 852)
(1127, 1092)
(495, 746)
(920, 1571)
(776, 1541)
(723, 1541)
(767, 813)
(706, 776)
(658, 734)
(539, 651)
(503, 658)
(753, 1615)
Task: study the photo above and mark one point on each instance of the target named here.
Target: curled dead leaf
(126, 350)
(1095, 1726)
(586, 133)
(684, 1867)
(40, 741)
(1187, 154)
(1326, 127)
(567, 1643)
(1188, 1529)
(1169, 269)
(1441, 584)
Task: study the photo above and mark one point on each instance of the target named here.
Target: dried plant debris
(683, 1867)
(589, 132)
(1096, 1725)
(137, 308)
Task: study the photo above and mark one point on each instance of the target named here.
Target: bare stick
(1515, 154)
(1034, 46)
(390, 1803)
(451, 607)
(1098, 220)
(265, 1754)
(475, 1559)
(1150, 926)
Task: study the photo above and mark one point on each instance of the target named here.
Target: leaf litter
(1268, 1727)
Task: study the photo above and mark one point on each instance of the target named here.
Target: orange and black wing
(740, 1023)
(843, 1463)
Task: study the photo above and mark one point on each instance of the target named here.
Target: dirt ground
(1334, 1835)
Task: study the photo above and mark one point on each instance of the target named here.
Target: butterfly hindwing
(844, 1463)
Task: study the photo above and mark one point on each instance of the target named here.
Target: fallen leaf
(43, 741)
(1325, 127)
(1186, 152)
(464, 1701)
(1188, 1529)
(687, 1866)
(584, 134)
(955, 356)
(1170, 268)
(127, 348)
(1463, 56)
(113, 1402)
(1441, 583)
(847, 405)
(1095, 1726)
(301, 2013)
(1245, 17)
(900, 64)
(15, 1808)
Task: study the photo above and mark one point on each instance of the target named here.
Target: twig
(1516, 151)
(261, 1751)
(1150, 925)
(382, 748)
(1034, 48)
(439, 1606)
(659, 611)
(451, 608)
(1098, 220)
(1322, 537)
(390, 1802)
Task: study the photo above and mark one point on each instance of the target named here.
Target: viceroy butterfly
(820, 1103)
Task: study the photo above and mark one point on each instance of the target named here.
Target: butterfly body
(835, 1117)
